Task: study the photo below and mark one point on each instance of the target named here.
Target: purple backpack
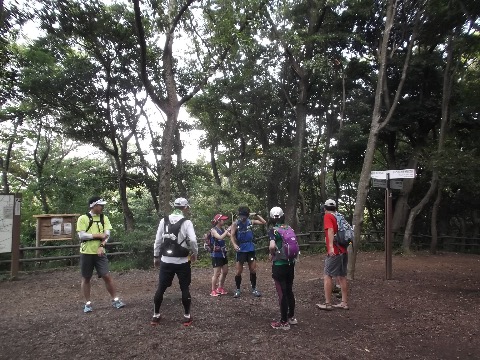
(290, 248)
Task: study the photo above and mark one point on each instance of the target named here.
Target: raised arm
(259, 220)
(216, 235)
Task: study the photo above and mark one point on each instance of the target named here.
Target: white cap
(330, 202)
(181, 202)
(276, 212)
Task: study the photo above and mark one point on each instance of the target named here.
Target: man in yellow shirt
(93, 230)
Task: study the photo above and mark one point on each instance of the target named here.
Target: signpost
(384, 179)
(17, 212)
(394, 184)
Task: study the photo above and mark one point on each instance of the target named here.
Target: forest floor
(430, 310)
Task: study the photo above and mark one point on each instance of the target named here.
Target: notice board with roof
(56, 227)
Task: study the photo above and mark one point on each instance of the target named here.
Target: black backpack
(90, 223)
(170, 245)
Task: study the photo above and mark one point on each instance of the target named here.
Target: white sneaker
(292, 321)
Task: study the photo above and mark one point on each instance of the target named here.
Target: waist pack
(170, 245)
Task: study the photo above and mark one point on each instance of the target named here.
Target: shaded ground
(429, 311)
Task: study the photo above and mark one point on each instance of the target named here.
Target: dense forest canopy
(298, 101)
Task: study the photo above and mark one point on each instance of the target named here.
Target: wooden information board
(55, 227)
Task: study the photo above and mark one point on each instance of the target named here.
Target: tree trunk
(402, 209)
(447, 90)
(213, 162)
(5, 162)
(143, 164)
(297, 158)
(375, 128)
(127, 212)
(436, 206)
(172, 109)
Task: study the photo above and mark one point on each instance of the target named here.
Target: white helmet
(276, 212)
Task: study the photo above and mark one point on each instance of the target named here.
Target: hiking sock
(253, 280)
(238, 281)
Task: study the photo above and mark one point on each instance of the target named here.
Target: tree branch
(143, 59)
(223, 55)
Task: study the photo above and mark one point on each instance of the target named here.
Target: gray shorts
(88, 262)
(336, 265)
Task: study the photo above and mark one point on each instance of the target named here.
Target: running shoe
(237, 293)
(155, 320)
(280, 325)
(221, 291)
(87, 308)
(292, 321)
(256, 293)
(214, 293)
(187, 321)
(117, 303)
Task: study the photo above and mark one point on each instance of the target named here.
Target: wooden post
(388, 230)
(37, 238)
(17, 206)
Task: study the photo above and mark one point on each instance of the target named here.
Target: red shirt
(329, 222)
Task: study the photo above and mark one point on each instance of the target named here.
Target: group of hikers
(176, 248)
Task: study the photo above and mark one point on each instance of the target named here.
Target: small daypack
(211, 244)
(344, 235)
(170, 245)
(207, 242)
(290, 248)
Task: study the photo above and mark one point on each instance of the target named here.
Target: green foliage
(140, 244)
(56, 88)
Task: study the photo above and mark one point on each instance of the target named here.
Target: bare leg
(223, 275)
(86, 288)
(344, 286)
(238, 268)
(216, 274)
(327, 286)
(109, 285)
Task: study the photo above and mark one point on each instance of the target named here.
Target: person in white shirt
(174, 250)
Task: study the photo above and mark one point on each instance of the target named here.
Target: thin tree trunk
(213, 162)
(447, 90)
(297, 158)
(402, 209)
(376, 126)
(179, 169)
(40, 161)
(5, 163)
(436, 206)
